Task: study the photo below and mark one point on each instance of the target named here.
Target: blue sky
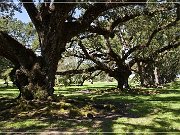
(25, 18)
(22, 16)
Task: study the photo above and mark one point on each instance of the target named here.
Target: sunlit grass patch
(22, 125)
(159, 122)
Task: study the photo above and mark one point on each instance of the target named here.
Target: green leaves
(8, 8)
(25, 33)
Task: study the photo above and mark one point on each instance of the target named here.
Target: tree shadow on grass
(8, 92)
(155, 125)
(106, 122)
(8, 95)
(169, 91)
(133, 110)
(8, 87)
(169, 98)
(149, 128)
(85, 87)
(32, 128)
(6, 103)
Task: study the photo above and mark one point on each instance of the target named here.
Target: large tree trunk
(34, 76)
(122, 82)
(122, 75)
(33, 83)
(147, 74)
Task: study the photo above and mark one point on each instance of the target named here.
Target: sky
(22, 16)
(25, 18)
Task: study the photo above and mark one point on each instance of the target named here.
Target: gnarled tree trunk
(33, 83)
(33, 75)
(121, 75)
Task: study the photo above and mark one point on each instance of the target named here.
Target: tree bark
(141, 73)
(121, 75)
(156, 76)
(148, 75)
(32, 83)
(122, 82)
(34, 76)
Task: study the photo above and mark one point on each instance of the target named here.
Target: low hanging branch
(155, 31)
(80, 71)
(15, 52)
(88, 56)
(165, 48)
(154, 54)
(150, 39)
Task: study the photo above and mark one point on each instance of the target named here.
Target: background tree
(136, 40)
(5, 68)
(163, 70)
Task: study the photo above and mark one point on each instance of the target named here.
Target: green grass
(146, 113)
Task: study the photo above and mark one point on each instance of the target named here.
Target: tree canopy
(147, 34)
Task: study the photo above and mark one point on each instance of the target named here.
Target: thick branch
(101, 31)
(80, 71)
(96, 9)
(124, 19)
(152, 57)
(166, 48)
(88, 56)
(158, 30)
(112, 54)
(150, 39)
(132, 16)
(144, 60)
(33, 13)
(15, 52)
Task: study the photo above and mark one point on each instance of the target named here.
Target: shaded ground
(94, 108)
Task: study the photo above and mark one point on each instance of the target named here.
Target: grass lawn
(94, 108)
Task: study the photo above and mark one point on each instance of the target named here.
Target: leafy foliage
(24, 33)
(8, 8)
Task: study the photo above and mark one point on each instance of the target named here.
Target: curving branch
(154, 54)
(88, 56)
(150, 38)
(15, 52)
(124, 19)
(96, 9)
(80, 71)
(111, 53)
(165, 48)
(128, 17)
(101, 31)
